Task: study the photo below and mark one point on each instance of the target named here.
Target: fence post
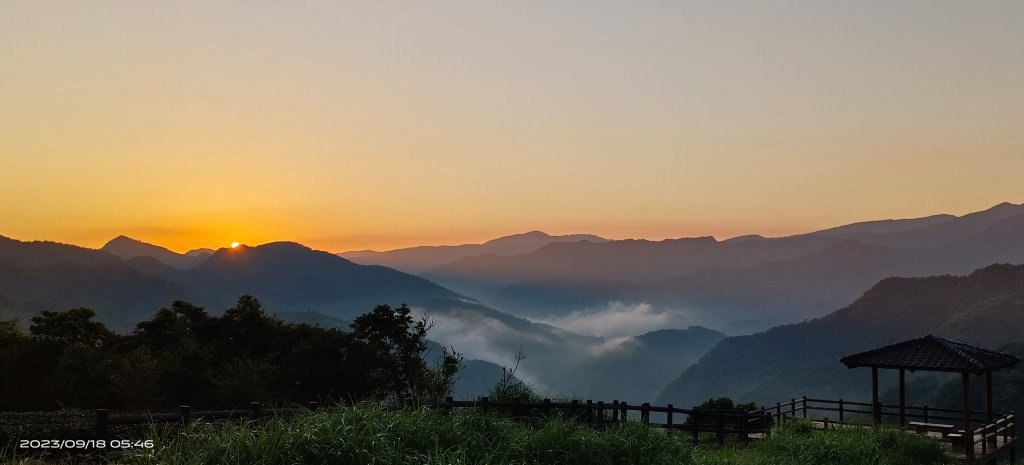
(615, 411)
(778, 414)
(926, 413)
(721, 427)
(745, 435)
(483, 404)
(313, 405)
(590, 415)
(841, 419)
(186, 413)
(575, 406)
(792, 409)
(668, 417)
(600, 412)
(824, 422)
(102, 423)
(1013, 435)
(695, 424)
(625, 411)
(768, 416)
(645, 413)
(547, 408)
(804, 399)
(254, 409)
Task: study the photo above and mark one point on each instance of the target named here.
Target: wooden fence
(998, 432)
(721, 423)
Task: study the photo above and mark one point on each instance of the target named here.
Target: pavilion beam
(903, 397)
(968, 432)
(876, 408)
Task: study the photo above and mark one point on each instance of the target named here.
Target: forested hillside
(985, 308)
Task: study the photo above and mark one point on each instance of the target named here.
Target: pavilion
(933, 353)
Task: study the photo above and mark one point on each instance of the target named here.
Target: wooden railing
(799, 408)
(719, 422)
(992, 436)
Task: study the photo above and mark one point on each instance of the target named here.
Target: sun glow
(234, 245)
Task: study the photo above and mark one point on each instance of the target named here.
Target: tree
(440, 379)
(70, 327)
(396, 343)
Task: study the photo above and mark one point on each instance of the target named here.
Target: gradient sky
(377, 124)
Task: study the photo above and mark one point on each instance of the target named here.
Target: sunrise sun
(234, 245)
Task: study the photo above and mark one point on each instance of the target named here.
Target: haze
(349, 125)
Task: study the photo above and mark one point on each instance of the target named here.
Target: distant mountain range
(288, 277)
(564, 300)
(423, 258)
(985, 308)
(740, 285)
(303, 285)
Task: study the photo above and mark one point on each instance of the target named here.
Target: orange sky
(350, 125)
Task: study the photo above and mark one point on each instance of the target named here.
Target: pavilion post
(988, 397)
(968, 432)
(903, 397)
(876, 408)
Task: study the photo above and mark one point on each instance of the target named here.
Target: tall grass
(798, 443)
(372, 434)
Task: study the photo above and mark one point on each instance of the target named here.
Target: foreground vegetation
(371, 434)
(184, 355)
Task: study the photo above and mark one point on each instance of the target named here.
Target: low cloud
(618, 319)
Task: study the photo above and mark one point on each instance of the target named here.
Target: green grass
(373, 435)
(798, 443)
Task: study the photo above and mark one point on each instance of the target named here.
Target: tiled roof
(931, 353)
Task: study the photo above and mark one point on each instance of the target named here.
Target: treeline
(185, 355)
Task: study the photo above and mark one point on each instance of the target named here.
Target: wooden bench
(922, 427)
(956, 440)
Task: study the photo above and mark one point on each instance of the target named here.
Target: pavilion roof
(932, 353)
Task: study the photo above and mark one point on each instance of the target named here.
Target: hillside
(37, 276)
(984, 308)
(636, 369)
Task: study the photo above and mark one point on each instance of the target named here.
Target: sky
(350, 125)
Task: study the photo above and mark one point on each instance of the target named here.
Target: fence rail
(743, 424)
(799, 408)
(721, 422)
(998, 432)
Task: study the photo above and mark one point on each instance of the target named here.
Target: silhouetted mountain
(636, 369)
(885, 226)
(291, 277)
(287, 277)
(128, 248)
(985, 308)
(200, 253)
(423, 258)
(943, 232)
(37, 276)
